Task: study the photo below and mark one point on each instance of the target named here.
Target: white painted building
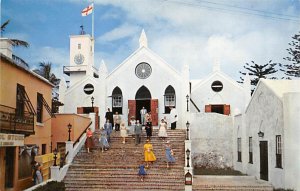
(142, 80)
(145, 79)
(266, 136)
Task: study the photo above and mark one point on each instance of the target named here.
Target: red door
(226, 109)
(131, 109)
(154, 111)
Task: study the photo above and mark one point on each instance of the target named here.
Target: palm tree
(45, 71)
(15, 42)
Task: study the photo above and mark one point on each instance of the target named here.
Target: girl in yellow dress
(148, 152)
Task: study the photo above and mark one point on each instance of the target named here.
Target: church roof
(279, 87)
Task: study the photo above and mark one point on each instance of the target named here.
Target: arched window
(117, 100)
(170, 98)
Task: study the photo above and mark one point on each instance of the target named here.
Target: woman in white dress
(132, 125)
(123, 132)
(162, 132)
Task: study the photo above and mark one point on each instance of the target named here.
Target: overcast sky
(196, 32)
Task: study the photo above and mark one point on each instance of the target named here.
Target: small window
(239, 149)
(170, 98)
(39, 108)
(79, 46)
(217, 86)
(117, 100)
(278, 152)
(20, 101)
(44, 146)
(250, 151)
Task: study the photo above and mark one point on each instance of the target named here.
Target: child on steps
(142, 173)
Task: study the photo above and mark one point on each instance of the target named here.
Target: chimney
(6, 47)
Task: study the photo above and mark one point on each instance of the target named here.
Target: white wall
(211, 136)
(291, 140)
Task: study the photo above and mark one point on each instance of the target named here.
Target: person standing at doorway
(109, 115)
(117, 121)
(143, 112)
(173, 117)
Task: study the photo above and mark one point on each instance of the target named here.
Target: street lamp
(188, 152)
(69, 127)
(55, 156)
(260, 134)
(187, 102)
(187, 130)
(92, 98)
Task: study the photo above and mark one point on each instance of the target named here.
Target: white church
(220, 110)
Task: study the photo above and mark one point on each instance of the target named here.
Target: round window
(88, 89)
(217, 86)
(143, 70)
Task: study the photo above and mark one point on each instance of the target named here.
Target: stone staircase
(227, 183)
(117, 168)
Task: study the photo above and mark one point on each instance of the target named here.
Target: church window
(143, 70)
(217, 86)
(117, 100)
(250, 151)
(170, 98)
(239, 149)
(39, 108)
(79, 46)
(278, 152)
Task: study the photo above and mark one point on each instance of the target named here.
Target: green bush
(52, 186)
(217, 171)
(281, 189)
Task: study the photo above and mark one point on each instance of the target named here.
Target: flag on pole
(88, 10)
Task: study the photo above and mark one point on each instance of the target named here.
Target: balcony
(10, 122)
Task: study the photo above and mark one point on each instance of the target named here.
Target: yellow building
(25, 119)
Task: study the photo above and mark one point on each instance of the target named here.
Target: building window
(170, 99)
(117, 100)
(39, 108)
(44, 146)
(278, 152)
(239, 149)
(250, 151)
(20, 101)
(79, 46)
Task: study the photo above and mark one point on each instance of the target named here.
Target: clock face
(143, 70)
(79, 58)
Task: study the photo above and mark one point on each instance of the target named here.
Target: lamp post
(55, 156)
(187, 130)
(188, 152)
(69, 130)
(92, 99)
(187, 102)
(260, 134)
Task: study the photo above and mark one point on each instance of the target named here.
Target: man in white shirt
(143, 112)
(173, 117)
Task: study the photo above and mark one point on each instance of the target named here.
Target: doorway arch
(143, 93)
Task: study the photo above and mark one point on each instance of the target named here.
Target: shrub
(52, 186)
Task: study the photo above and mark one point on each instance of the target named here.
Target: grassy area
(51, 186)
(280, 189)
(215, 171)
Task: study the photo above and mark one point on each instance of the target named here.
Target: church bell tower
(81, 61)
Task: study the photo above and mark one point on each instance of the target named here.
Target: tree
(259, 71)
(45, 71)
(15, 42)
(293, 69)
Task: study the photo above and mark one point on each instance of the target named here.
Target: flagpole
(93, 20)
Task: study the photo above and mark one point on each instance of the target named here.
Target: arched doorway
(142, 99)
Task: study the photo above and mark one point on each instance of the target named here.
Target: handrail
(194, 105)
(82, 134)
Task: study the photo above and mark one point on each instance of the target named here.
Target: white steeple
(143, 39)
(216, 67)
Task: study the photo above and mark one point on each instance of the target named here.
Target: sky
(194, 32)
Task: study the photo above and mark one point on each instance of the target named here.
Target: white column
(55, 173)
(69, 148)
